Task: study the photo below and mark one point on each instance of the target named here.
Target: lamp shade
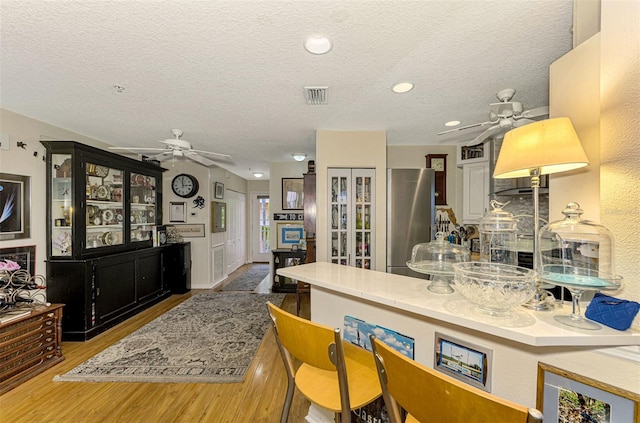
(550, 145)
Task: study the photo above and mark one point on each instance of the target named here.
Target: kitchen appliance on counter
(410, 215)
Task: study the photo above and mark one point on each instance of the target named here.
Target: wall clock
(438, 162)
(184, 185)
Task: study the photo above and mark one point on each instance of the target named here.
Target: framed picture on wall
(218, 216)
(218, 190)
(563, 396)
(289, 234)
(292, 193)
(177, 212)
(15, 201)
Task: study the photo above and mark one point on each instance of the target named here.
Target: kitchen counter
(407, 294)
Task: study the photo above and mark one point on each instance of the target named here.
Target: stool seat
(332, 374)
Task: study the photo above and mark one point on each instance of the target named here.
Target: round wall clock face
(184, 185)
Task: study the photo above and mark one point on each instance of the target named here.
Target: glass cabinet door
(351, 204)
(143, 206)
(104, 206)
(340, 189)
(61, 205)
(363, 208)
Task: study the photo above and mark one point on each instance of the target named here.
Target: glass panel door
(61, 205)
(104, 210)
(363, 215)
(339, 225)
(143, 206)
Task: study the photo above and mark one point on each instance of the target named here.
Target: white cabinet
(475, 191)
(351, 217)
(472, 154)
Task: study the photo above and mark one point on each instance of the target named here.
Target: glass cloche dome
(436, 258)
(578, 255)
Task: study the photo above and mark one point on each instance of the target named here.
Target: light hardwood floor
(258, 399)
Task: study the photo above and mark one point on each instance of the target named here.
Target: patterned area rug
(249, 280)
(209, 338)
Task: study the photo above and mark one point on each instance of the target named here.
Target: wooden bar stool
(334, 375)
(430, 396)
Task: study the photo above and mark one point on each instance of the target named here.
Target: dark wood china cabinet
(101, 259)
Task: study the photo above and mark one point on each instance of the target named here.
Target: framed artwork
(195, 230)
(565, 396)
(177, 212)
(24, 256)
(218, 216)
(218, 190)
(463, 360)
(15, 206)
(292, 193)
(289, 234)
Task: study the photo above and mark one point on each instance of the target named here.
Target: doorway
(260, 228)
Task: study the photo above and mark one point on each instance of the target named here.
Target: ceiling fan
(503, 116)
(176, 147)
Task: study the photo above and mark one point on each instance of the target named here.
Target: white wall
(620, 137)
(597, 85)
(576, 94)
(200, 275)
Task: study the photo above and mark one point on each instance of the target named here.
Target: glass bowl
(494, 288)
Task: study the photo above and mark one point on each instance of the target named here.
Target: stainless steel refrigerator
(410, 215)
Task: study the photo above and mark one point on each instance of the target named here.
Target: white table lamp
(539, 148)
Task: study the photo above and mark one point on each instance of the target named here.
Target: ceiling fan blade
(209, 153)
(466, 127)
(198, 158)
(136, 149)
(490, 132)
(534, 113)
(522, 122)
(162, 156)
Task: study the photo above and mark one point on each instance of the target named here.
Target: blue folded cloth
(613, 312)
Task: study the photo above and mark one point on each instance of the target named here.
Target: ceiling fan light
(298, 157)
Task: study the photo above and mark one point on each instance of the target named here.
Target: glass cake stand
(578, 280)
(441, 275)
(436, 258)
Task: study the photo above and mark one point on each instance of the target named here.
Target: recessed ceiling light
(317, 44)
(452, 123)
(298, 157)
(402, 87)
(258, 174)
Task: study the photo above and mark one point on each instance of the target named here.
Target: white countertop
(410, 294)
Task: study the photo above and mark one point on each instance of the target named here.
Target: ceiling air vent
(316, 95)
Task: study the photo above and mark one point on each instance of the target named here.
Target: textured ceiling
(231, 74)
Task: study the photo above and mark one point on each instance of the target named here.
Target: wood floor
(258, 399)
